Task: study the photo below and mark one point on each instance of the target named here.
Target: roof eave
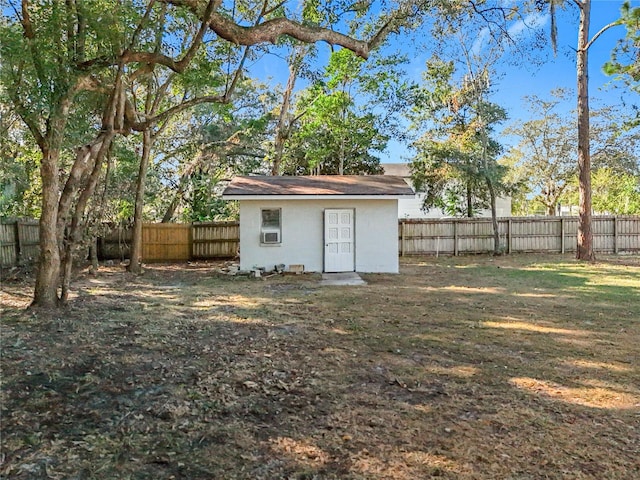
(317, 197)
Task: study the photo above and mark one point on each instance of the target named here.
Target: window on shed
(271, 228)
(271, 218)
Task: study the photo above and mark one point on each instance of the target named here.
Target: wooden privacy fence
(611, 234)
(161, 242)
(19, 242)
(215, 240)
(167, 242)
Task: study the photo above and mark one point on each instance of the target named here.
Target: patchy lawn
(520, 367)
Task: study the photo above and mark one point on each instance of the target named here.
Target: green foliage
(40, 71)
(545, 157)
(19, 163)
(20, 183)
(455, 155)
(226, 140)
(115, 199)
(206, 201)
(341, 123)
(343, 69)
(544, 161)
(612, 192)
(615, 193)
(123, 209)
(615, 144)
(625, 60)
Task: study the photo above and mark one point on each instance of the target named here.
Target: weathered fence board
(517, 234)
(115, 242)
(161, 242)
(29, 239)
(8, 245)
(215, 239)
(19, 242)
(207, 240)
(627, 229)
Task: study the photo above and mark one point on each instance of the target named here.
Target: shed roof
(319, 185)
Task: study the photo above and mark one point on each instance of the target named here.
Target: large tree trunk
(135, 265)
(173, 206)
(48, 276)
(551, 210)
(93, 255)
(178, 195)
(284, 125)
(76, 231)
(585, 236)
(469, 198)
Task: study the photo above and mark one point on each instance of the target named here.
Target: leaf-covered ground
(521, 367)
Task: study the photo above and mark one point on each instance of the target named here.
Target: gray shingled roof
(318, 185)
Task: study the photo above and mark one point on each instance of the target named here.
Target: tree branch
(143, 21)
(272, 9)
(29, 35)
(155, 58)
(601, 31)
(231, 86)
(269, 31)
(140, 126)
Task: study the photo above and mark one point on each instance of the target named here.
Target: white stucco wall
(376, 234)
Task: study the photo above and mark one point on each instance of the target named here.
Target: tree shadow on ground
(438, 372)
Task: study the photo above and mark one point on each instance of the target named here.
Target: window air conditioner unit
(270, 237)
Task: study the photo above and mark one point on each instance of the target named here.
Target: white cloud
(518, 29)
(533, 21)
(480, 41)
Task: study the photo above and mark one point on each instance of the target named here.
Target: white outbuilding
(412, 207)
(326, 223)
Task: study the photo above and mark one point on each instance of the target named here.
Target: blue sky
(539, 75)
(554, 71)
(560, 71)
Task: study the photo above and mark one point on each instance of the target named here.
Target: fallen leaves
(185, 373)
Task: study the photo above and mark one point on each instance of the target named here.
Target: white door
(338, 241)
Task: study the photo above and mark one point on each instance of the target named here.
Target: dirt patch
(521, 367)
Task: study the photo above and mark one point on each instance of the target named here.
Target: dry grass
(522, 367)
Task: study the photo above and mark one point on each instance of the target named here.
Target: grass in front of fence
(463, 368)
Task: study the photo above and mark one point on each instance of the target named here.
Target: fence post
(509, 236)
(402, 238)
(18, 240)
(561, 234)
(615, 234)
(455, 238)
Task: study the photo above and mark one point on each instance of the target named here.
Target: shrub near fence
(611, 234)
